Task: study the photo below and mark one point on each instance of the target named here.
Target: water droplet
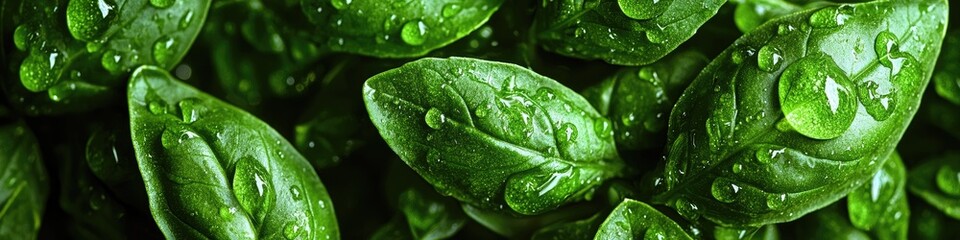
(163, 50)
(292, 230)
(887, 48)
(769, 155)
(451, 9)
(724, 190)
(37, 72)
(880, 105)
(482, 111)
(162, 3)
(776, 201)
(546, 94)
(831, 17)
(252, 186)
(785, 29)
(435, 118)
(190, 110)
(603, 128)
(816, 97)
(20, 36)
(741, 54)
(737, 168)
(296, 193)
(687, 209)
(186, 20)
(414, 33)
(567, 133)
(655, 36)
(769, 58)
(948, 179)
(87, 20)
(644, 9)
(340, 4)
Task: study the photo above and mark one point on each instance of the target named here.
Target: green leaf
(622, 32)
(638, 99)
(937, 181)
(396, 28)
(214, 171)
(23, 183)
(637, 220)
(947, 76)
(430, 216)
(493, 135)
(880, 205)
(110, 158)
(523, 227)
(751, 14)
(74, 55)
(927, 222)
(799, 112)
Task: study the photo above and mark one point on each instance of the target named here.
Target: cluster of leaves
(413, 119)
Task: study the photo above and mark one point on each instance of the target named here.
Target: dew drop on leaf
(451, 9)
(163, 50)
(830, 17)
(879, 102)
(769, 58)
(887, 47)
(644, 9)
(89, 19)
(162, 3)
(687, 209)
(435, 118)
(776, 201)
(20, 36)
(567, 133)
(816, 97)
(724, 190)
(414, 32)
(340, 4)
(37, 71)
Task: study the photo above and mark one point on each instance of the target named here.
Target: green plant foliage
(213, 170)
(789, 119)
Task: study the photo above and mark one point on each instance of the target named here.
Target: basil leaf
(24, 186)
(637, 220)
(493, 135)
(580, 229)
(622, 32)
(214, 171)
(936, 182)
(397, 28)
(73, 54)
(770, 131)
(880, 205)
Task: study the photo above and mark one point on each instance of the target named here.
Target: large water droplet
(831, 16)
(603, 128)
(451, 9)
(435, 118)
(879, 104)
(87, 20)
(163, 50)
(776, 201)
(190, 110)
(340, 4)
(38, 72)
(887, 47)
(948, 179)
(567, 133)
(111, 61)
(644, 9)
(20, 36)
(816, 97)
(292, 230)
(687, 209)
(252, 186)
(769, 58)
(414, 33)
(186, 20)
(162, 3)
(724, 190)
(769, 155)
(296, 193)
